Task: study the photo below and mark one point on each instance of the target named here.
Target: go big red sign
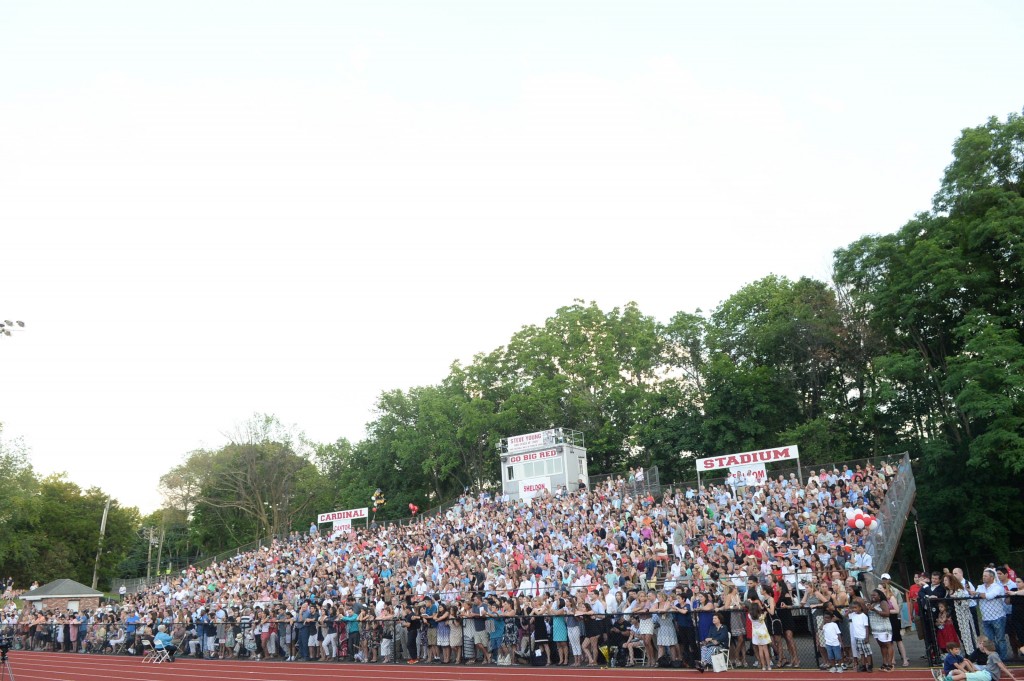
(762, 456)
(533, 456)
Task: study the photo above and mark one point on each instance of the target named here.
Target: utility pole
(160, 550)
(99, 549)
(149, 556)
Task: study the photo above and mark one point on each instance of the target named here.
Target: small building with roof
(64, 594)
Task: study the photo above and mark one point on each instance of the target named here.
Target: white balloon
(850, 512)
(860, 523)
(873, 524)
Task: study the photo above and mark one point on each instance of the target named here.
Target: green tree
(19, 508)
(256, 486)
(49, 528)
(945, 294)
(586, 369)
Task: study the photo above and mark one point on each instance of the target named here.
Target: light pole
(920, 544)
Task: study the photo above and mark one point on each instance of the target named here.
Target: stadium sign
(711, 463)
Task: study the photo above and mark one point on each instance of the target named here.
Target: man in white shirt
(993, 617)
(862, 561)
(610, 605)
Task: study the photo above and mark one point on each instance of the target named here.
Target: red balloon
(852, 523)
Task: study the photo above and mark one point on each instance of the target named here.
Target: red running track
(29, 666)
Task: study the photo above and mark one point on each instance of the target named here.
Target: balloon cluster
(413, 508)
(858, 520)
(378, 500)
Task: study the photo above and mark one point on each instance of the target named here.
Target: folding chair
(153, 654)
(118, 643)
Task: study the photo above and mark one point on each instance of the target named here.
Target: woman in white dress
(666, 636)
(646, 626)
(962, 613)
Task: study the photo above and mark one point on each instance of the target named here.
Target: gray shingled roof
(61, 588)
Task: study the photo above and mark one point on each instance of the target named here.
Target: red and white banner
(533, 456)
(531, 487)
(522, 443)
(711, 463)
(349, 515)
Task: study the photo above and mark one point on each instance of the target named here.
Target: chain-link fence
(671, 636)
(643, 481)
(961, 621)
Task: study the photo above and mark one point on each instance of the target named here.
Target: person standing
(991, 595)
(928, 603)
(302, 630)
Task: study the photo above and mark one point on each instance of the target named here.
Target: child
(952, 661)
(993, 671)
(759, 637)
(859, 634)
(832, 645)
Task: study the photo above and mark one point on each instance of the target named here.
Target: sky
(214, 209)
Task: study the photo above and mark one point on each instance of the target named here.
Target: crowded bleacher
(615, 574)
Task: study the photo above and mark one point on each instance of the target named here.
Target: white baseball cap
(885, 575)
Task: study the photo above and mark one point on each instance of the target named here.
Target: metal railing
(774, 469)
(507, 638)
(945, 620)
(650, 482)
(892, 518)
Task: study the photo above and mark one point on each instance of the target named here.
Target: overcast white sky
(210, 209)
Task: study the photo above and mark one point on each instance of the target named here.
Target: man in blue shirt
(303, 631)
(131, 626)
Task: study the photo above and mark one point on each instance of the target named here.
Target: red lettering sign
(533, 456)
(711, 463)
(348, 514)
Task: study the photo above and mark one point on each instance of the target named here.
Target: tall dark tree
(946, 295)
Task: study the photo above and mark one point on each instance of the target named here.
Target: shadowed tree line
(49, 526)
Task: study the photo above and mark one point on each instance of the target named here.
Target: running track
(29, 666)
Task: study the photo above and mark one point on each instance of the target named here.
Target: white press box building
(540, 461)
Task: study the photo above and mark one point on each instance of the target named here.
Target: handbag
(719, 662)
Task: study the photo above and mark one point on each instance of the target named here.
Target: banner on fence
(747, 476)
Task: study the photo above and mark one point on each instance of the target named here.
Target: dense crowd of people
(612, 574)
